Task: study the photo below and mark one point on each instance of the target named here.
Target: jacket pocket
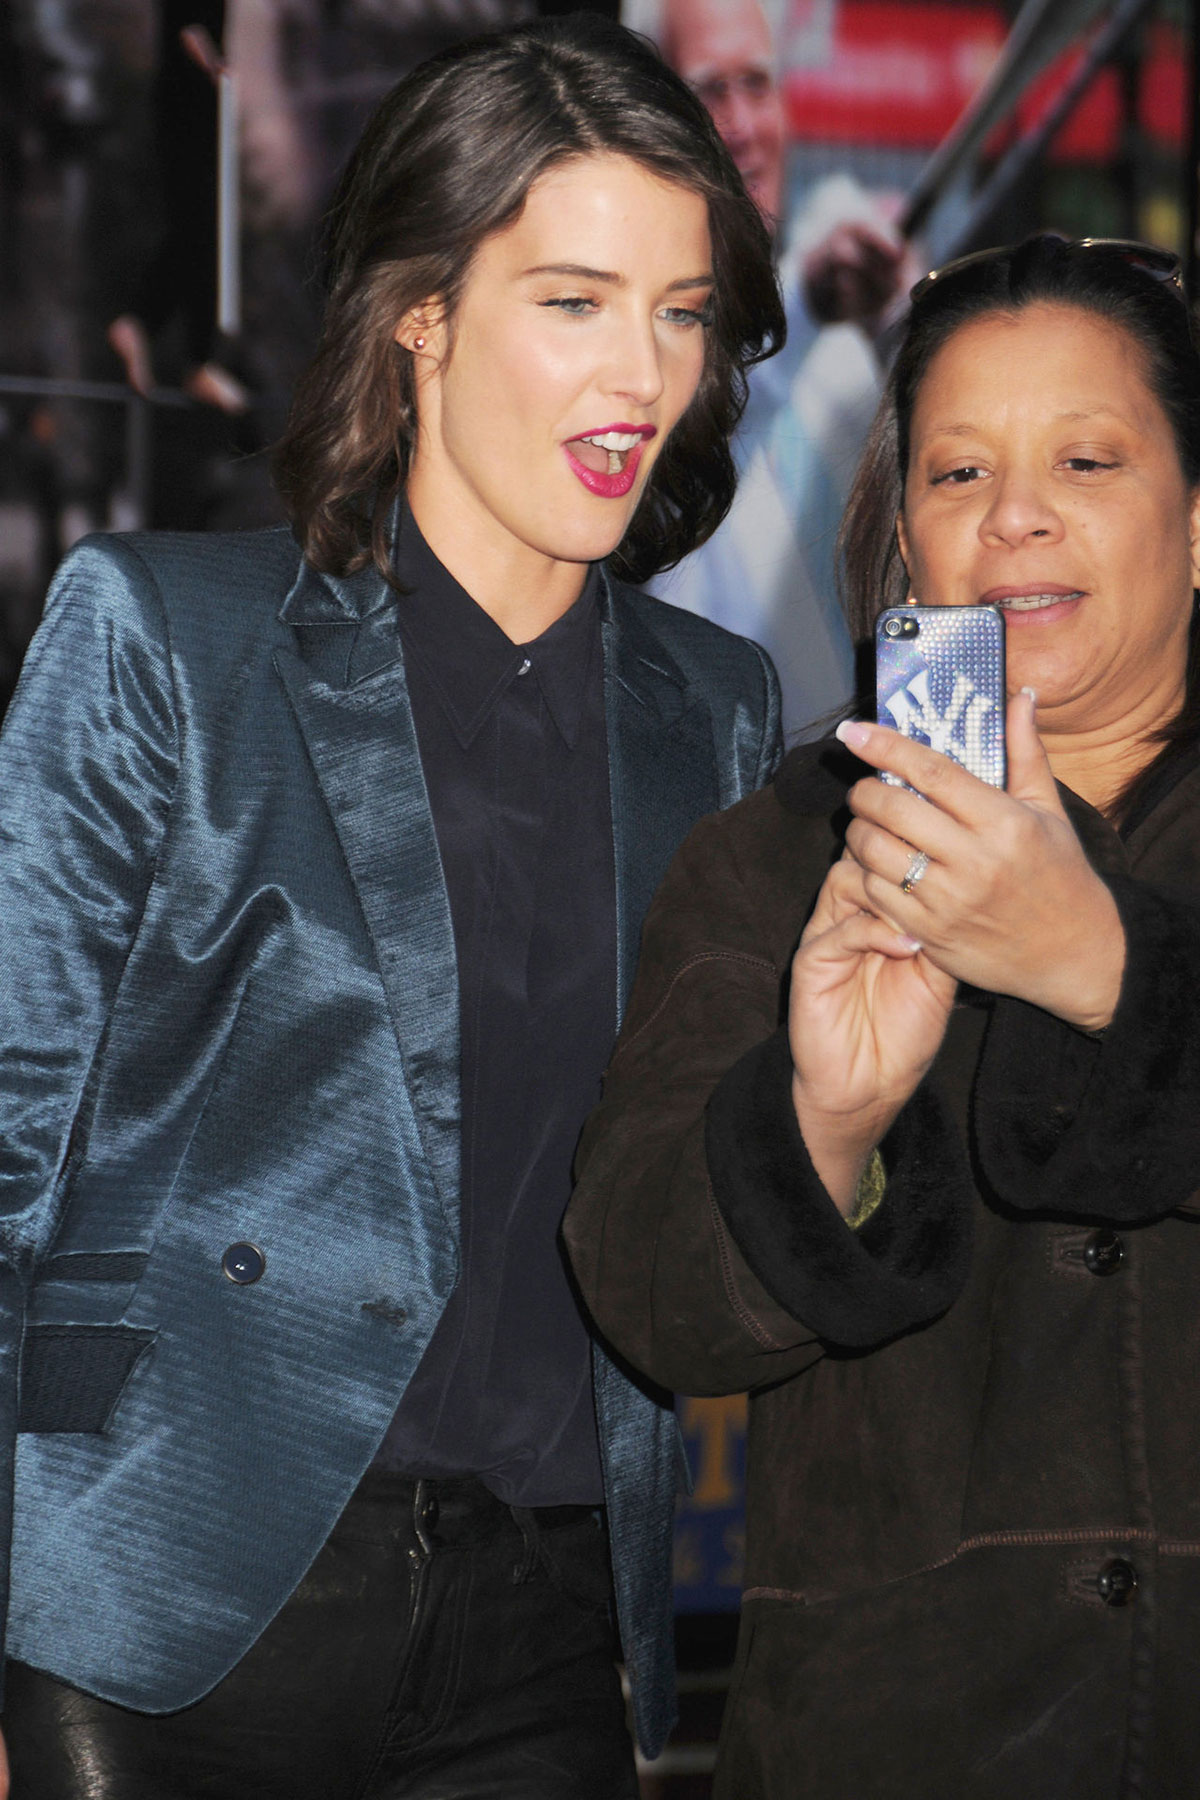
(72, 1376)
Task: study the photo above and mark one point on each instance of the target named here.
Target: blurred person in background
(325, 856)
(179, 285)
(769, 572)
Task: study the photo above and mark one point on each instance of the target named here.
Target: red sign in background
(900, 75)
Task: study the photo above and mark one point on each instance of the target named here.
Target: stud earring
(418, 343)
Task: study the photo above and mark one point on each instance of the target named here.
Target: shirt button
(243, 1263)
(1117, 1582)
(1104, 1253)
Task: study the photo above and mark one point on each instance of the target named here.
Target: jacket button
(243, 1263)
(1117, 1581)
(1104, 1253)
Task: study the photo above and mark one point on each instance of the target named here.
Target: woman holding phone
(323, 859)
(903, 1131)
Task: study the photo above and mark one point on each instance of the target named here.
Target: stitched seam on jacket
(758, 1332)
(767, 761)
(985, 1540)
(169, 659)
(65, 1174)
(695, 962)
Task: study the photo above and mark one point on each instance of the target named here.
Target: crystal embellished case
(939, 678)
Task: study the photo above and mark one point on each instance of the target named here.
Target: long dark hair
(447, 159)
(1117, 284)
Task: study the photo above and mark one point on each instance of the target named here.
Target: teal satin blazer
(228, 1016)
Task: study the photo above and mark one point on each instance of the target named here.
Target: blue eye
(690, 315)
(575, 305)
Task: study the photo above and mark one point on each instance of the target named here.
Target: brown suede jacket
(973, 1548)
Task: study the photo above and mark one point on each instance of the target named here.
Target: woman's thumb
(1029, 776)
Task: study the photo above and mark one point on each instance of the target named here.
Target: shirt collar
(468, 659)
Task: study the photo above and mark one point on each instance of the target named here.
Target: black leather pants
(443, 1646)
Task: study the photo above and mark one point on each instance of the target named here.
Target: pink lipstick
(606, 460)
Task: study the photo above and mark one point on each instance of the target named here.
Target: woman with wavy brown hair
(324, 861)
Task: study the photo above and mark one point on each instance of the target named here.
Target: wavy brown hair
(447, 159)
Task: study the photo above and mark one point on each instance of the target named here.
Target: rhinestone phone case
(939, 678)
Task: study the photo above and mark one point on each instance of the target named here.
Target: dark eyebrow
(582, 273)
(1080, 416)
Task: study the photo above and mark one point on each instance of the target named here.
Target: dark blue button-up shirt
(515, 755)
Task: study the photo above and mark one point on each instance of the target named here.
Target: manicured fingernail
(852, 733)
(1032, 692)
(910, 943)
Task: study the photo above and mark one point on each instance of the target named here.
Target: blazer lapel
(346, 683)
(662, 763)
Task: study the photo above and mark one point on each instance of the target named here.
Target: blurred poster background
(872, 86)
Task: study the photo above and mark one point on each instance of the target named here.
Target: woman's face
(1044, 478)
(577, 343)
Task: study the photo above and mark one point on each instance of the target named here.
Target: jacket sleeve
(1106, 1127)
(87, 766)
(706, 1247)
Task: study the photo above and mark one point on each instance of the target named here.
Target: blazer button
(1104, 1253)
(243, 1263)
(1117, 1582)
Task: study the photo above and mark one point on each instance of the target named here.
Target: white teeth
(614, 462)
(1032, 602)
(614, 440)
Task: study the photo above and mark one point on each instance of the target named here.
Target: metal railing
(132, 491)
(135, 488)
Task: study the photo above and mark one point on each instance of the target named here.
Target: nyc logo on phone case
(939, 678)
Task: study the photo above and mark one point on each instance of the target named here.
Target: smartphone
(939, 678)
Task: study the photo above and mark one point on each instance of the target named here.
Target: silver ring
(914, 871)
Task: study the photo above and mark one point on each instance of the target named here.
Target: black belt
(460, 1509)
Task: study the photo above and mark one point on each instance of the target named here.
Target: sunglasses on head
(1161, 265)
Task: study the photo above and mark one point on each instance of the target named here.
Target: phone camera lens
(892, 628)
